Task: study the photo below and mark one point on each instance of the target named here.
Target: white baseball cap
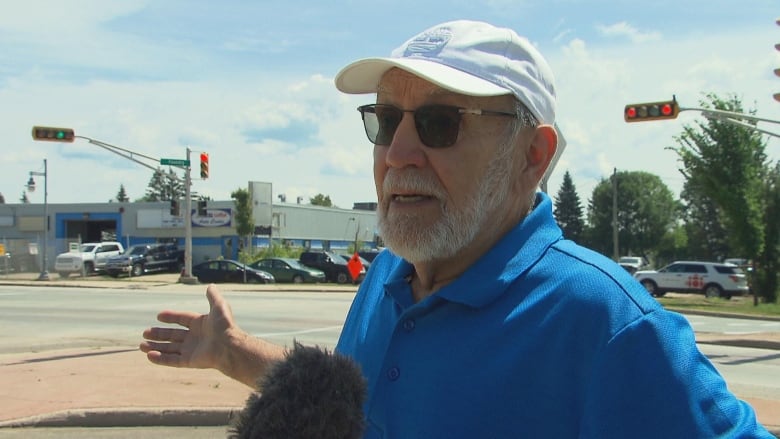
(466, 57)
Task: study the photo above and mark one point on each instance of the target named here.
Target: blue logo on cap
(428, 43)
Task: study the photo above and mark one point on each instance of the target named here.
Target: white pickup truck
(91, 257)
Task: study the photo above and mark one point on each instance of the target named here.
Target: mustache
(411, 182)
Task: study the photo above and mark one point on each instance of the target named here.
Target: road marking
(303, 331)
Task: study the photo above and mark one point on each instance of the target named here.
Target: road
(47, 318)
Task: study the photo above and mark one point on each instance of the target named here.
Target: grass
(737, 305)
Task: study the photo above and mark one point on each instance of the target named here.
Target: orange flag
(355, 266)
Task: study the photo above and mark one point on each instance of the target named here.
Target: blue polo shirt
(540, 338)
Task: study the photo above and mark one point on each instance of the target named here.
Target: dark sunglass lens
(380, 122)
(437, 125)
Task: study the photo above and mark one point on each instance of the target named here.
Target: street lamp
(31, 188)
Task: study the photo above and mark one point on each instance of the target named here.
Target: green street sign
(175, 162)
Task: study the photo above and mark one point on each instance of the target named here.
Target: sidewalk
(115, 388)
(120, 387)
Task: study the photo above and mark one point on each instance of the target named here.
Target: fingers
(165, 334)
(165, 359)
(181, 318)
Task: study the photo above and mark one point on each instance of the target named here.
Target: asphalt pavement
(116, 392)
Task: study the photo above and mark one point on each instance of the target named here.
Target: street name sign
(175, 162)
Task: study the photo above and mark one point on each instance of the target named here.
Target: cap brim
(363, 76)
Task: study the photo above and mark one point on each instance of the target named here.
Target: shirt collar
(488, 278)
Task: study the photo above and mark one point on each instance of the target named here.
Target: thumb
(214, 296)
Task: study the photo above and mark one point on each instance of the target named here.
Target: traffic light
(51, 134)
(204, 165)
(175, 208)
(651, 111)
(202, 208)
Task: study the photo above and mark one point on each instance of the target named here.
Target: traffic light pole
(186, 276)
(733, 118)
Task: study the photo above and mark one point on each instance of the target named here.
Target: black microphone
(311, 394)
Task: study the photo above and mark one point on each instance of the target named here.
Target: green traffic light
(60, 134)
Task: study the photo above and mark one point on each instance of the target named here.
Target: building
(214, 234)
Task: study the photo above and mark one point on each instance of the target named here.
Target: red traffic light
(204, 165)
(51, 134)
(651, 111)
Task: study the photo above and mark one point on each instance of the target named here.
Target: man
(482, 321)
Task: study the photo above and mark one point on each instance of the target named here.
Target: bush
(275, 250)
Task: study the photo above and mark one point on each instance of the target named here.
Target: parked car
(228, 270)
(745, 264)
(632, 264)
(91, 257)
(366, 263)
(146, 258)
(289, 270)
(711, 278)
(369, 255)
(333, 265)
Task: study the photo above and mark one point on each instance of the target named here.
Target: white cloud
(624, 29)
(261, 116)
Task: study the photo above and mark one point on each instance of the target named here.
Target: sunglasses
(437, 125)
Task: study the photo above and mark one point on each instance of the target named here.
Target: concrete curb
(130, 417)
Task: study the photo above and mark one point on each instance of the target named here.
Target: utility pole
(615, 247)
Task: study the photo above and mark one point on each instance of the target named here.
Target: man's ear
(541, 151)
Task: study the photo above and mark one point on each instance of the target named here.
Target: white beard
(457, 228)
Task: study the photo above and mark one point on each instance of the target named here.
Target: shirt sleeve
(651, 381)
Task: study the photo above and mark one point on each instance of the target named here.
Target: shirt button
(409, 325)
(393, 373)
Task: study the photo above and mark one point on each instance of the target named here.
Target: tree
(646, 212)
(727, 164)
(23, 199)
(2, 199)
(704, 226)
(245, 225)
(164, 186)
(121, 196)
(767, 264)
(568, 210)
(321, 200)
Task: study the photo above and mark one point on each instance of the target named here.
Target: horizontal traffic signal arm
(647, 111)
(52, 134)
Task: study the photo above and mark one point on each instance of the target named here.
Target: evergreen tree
(568, 210)
(164, 186)
(121, 196)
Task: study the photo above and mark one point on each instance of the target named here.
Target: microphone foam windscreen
(312, 393)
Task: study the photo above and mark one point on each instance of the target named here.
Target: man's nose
(406, 148)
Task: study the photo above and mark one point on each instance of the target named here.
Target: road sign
(175, 162)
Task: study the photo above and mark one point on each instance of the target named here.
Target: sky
(251, 84)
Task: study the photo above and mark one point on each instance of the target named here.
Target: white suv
(711, 278)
